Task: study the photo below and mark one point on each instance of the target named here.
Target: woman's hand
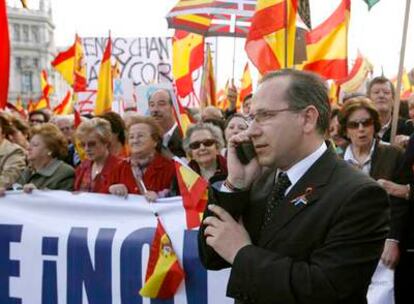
(28, 188)
(397, 190)
(151, 196)
(119, 190)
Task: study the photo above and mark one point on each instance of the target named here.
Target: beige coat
(12, 163)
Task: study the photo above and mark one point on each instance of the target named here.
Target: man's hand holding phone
(242, 163)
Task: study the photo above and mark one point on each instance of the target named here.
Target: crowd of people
(134, 154)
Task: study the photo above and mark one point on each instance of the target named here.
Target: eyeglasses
(262, 116)
(364, 122)
(206, 143)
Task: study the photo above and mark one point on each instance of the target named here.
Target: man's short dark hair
(306, 88)
(380, 80)
(46, 116)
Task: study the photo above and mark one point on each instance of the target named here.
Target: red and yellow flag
(164, 272)
(183, 119)
(65, 107)
(104, 96)
(221, 97)
(246, 86)
(188, 56)
(193, 189)
(70, 64)
(356, 79)
(4, 55)
(208, 86)
(327, 45)
(273, 29)
(42, 103)
(46, 87)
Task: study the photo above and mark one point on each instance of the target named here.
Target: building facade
(32, 50)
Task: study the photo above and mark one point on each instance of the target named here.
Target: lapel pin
(302, 199)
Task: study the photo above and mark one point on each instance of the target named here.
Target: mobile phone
(245, 152)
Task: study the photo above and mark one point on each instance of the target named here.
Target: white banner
(59, 247)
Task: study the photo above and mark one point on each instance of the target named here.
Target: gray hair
(304, 89)
(215, 131)
(99, 125)
(152, 91)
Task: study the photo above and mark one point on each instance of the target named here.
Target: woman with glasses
(153, 172)
(203, 143)
(359, 122)
(101, 172)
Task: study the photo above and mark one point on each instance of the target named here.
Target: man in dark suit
(161, 108)
(296, 224)
(382, 92)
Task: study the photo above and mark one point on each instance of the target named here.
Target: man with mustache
(161, 108)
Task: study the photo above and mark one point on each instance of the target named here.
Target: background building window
(25, 33)
(16, 32)
(35, 34)
(27, 82)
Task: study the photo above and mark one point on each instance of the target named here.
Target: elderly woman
(101, 172)
(153, 172)
(359, 122)
(203, 143)
(12, 156)
(46, 171)
(234, 125)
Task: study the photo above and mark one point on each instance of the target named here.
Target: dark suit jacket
(324, 251)
(403, 128)
(175, 144)
(386, 163)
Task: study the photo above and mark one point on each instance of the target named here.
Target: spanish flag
(70, 64)
(42, 103)
(356, 79)
(164, 272)
(327, 45)
(183, 119)
(188, 56)
(104, 96)
(4, 55)
(246, 86)
(208, 86)
(273, 29)
(65, 107)
(193, 189)
(46, 87)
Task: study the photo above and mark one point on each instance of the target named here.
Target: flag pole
(286, 32)
(396, 109)
(234, 54)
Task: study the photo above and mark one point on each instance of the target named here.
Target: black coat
(324, 251)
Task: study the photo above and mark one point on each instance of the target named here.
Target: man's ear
(310, 118)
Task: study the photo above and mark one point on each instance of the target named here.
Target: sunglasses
(206, 143)
(364, 122)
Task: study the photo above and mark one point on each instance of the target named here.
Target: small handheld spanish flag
(164, 272)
